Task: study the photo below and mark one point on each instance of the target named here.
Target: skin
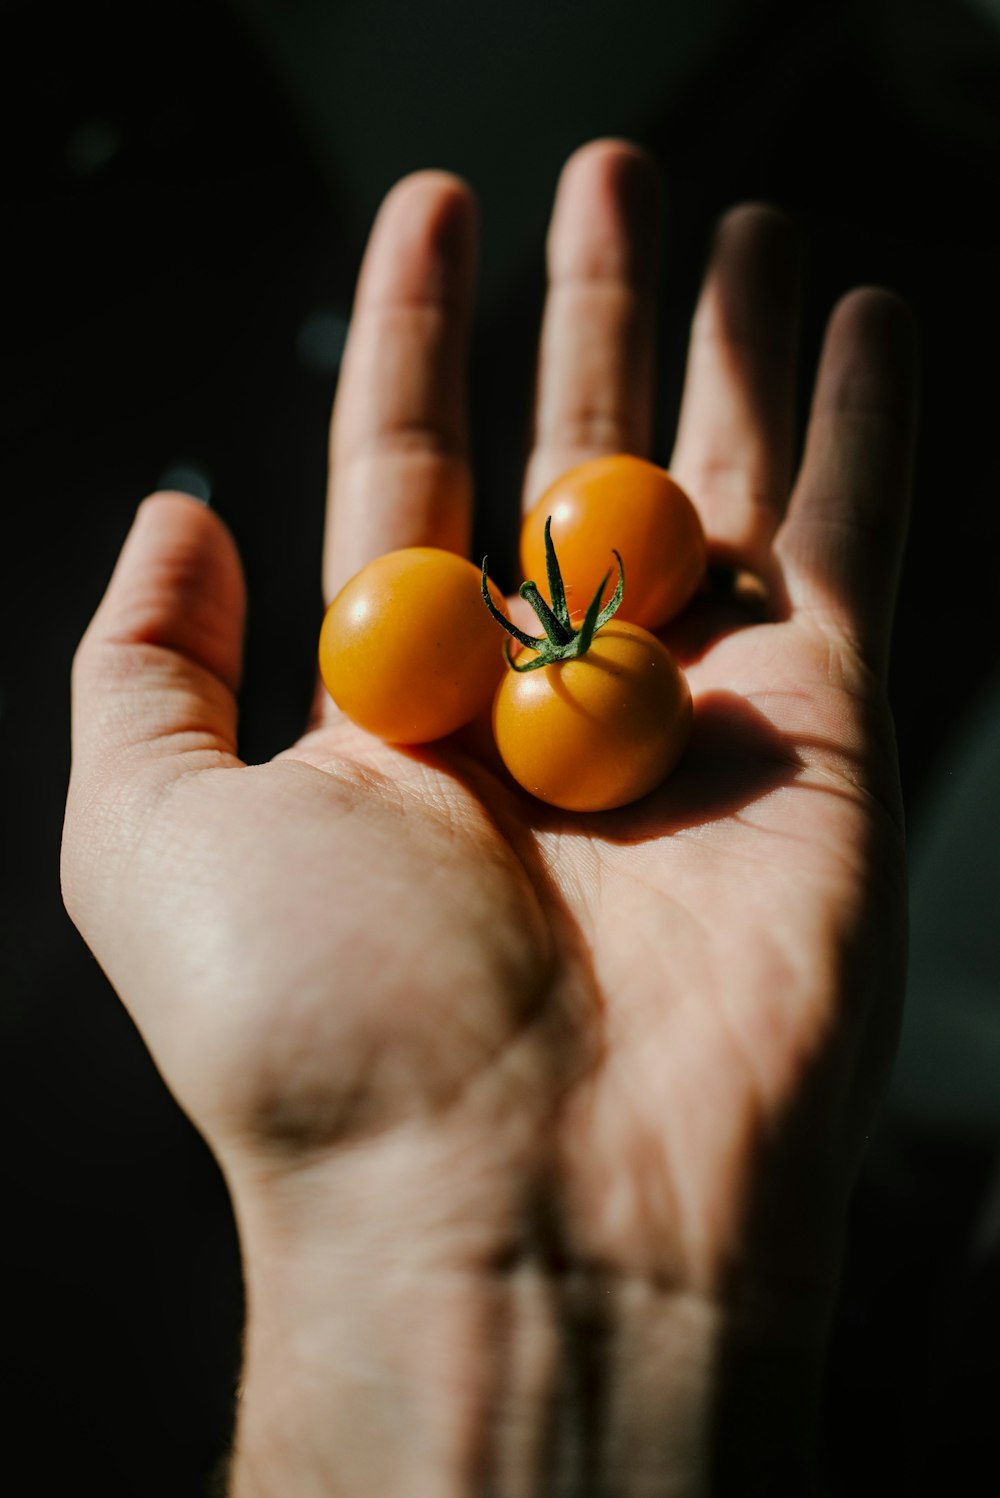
(539, 1129)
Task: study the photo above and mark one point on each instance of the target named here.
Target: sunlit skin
(501, 1090)
(622, 503)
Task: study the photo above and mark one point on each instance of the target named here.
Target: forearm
(369, 1371)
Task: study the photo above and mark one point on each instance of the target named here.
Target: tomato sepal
(560, 642)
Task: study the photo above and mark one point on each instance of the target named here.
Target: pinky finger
(842, 542)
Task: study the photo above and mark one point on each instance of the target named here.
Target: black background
(176, 213)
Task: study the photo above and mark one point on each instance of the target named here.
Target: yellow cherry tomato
(599, 731)
(633, 506)
(406, 648)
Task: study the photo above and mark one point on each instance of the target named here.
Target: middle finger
(399, 472)
(595, 375)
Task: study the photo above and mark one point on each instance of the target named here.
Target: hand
(539, 1128)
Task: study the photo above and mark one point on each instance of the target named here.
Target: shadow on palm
(736, 755)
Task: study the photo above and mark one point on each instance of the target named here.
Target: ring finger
(734, 450)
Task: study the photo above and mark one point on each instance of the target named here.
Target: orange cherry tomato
(597, 732)
(406, 648)
(625, 503)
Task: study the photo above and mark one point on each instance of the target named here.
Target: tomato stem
(560, 642)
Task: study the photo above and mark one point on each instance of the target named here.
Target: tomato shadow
(732, 598)
(735, 757)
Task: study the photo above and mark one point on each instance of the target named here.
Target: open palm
(637, 1049)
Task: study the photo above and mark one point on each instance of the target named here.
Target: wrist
(375, 1365)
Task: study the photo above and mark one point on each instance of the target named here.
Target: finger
(734, 448)
(595, 374)
(156, 674)
(842, 543)
(399, 474)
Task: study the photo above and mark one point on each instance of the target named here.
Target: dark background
(187, 192)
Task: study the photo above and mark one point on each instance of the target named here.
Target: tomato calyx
(560, 642)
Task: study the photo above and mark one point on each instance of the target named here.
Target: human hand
(539, 1128)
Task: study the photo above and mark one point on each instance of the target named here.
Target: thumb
(156, 674)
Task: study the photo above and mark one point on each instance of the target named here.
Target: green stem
(560, 642)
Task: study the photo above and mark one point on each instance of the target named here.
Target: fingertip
(770, 244)
(608, 212)
(613, 157)
(178, 583)
(166, 499)
(757, 216)
(428, 182)
(423, 239)
(871, 353)
(755, 275)
(879, 315)
(443, 199)
(877, 305)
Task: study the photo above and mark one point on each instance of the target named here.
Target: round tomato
(634, 507)
(407, 650)
(599, 731)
